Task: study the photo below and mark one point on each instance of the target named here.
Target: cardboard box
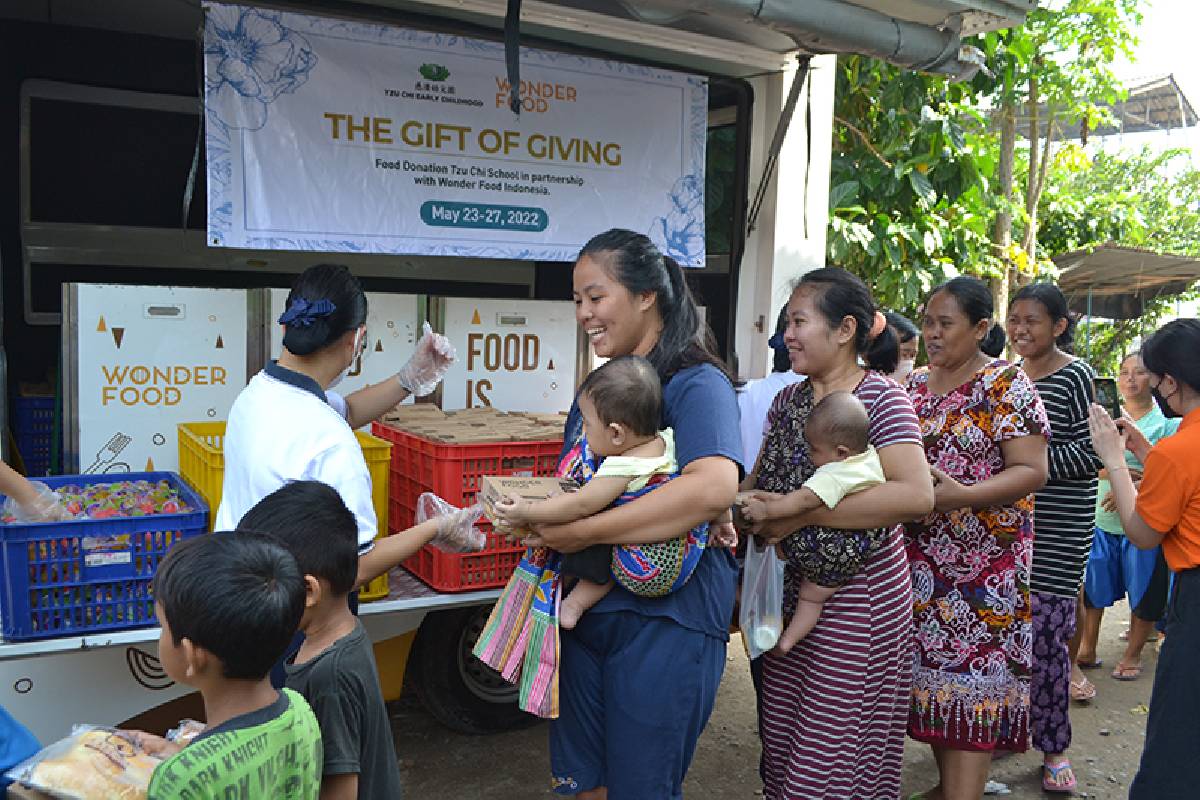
(494, 488)
(477, 425)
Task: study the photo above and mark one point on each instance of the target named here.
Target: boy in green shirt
(229, 605)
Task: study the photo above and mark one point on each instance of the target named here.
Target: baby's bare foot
(569, 614)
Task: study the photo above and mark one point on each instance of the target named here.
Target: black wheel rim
(480, 679)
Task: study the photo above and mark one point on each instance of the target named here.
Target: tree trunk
(1032, 178)
(1034, 197)
(1002, 233)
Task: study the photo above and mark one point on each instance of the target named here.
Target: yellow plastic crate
(202, 465)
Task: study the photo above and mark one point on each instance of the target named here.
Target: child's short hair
(840, 419)
(240, 597)
(311, 520)
(627, 391)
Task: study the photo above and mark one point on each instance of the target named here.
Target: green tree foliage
(1147, 200)
(923, 182)
(909, 207)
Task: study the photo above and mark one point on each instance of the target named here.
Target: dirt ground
(438, 764)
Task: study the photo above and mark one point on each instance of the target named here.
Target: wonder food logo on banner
(536, 96)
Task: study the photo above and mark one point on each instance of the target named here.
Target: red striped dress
(835, 707)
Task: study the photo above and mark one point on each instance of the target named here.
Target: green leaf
(843, 193)
(922, 187)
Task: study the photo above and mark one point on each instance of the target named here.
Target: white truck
(107, 88)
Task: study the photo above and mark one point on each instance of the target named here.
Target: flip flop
(1094, 664)
(1050, 778)
(1127, 672)
(1083, 690)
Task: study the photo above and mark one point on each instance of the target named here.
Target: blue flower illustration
(680, 233)
(250, 60)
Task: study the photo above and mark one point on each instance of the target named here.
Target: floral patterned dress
(970, 570)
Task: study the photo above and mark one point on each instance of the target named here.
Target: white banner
(148, 358)
(393, 327)
(514, 355)
(342, 136)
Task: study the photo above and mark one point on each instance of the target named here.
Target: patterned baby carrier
(520, 639)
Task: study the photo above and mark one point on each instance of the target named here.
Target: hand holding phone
(1107, 396)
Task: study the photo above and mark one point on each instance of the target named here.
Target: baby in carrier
(837, 433)
(621, 406)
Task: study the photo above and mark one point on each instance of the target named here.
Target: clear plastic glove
(185, 731)
(41, 505)
(456, 531)
(424, 371)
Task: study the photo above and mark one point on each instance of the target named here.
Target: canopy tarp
(1116, 282)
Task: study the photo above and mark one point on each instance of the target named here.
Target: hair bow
(776, 342)
(301, 313)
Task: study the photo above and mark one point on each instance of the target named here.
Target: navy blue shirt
(700, 405)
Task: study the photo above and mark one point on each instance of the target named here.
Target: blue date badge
(450, 214)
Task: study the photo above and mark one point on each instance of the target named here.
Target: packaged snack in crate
(92, 763)
(97, 501)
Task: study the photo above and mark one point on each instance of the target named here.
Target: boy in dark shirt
(335, 667)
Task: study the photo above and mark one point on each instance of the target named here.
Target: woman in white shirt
(288, 425)
(755, 397)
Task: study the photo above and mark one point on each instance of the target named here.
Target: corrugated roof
(1152, 104)
(1121, 280)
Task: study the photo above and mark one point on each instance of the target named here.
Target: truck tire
(455, 687)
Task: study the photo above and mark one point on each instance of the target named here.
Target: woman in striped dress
(1040, 329)
(834, 706)
(984, 431)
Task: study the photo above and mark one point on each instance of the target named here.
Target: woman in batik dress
(984, 430)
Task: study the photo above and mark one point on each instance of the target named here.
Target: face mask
(904, 368)
(1163, 405)
(341, 376)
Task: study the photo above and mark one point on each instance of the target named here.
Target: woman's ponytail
(993, 344)
(883, 353)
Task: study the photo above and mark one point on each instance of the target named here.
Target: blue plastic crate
(89, 575)
(33, 428)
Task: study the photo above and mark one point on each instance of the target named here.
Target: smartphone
(1106, 395)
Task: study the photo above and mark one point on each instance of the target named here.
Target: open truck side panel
(137, 61)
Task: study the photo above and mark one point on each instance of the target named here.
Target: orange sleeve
(1161, 498)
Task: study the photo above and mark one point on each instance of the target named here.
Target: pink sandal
(1050, 775)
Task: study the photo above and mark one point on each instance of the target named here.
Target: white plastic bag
(761, 614)
(92, 763)
(456, 527)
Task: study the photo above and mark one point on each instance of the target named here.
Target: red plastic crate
(454, 473)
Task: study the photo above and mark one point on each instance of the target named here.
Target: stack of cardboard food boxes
(476, 425)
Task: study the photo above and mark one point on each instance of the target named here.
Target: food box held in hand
(494, 489)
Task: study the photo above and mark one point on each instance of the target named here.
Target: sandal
(1095, 663)
(1050, 775)
(1127, 672)
(1083, 690)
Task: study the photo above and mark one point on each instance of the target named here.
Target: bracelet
(1122, 468)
